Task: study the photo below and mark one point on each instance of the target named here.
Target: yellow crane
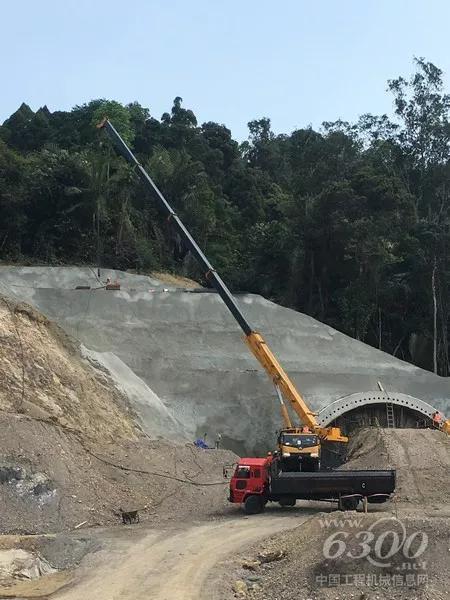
(298, 446)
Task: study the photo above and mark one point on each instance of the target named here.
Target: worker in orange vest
(437, 419)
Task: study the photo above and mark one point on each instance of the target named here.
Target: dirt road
(163, 564)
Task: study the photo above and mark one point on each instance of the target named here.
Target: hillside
(44, 376)
(179, 357)
(71, 452)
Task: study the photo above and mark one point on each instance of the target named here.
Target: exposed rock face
(186, 349)
(44, 376)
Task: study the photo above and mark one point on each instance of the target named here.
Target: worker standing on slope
(218, 440)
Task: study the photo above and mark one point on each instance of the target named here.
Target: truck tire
(253, 505)
(349, 503)
(287, 502)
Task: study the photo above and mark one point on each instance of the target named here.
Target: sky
(297, 62)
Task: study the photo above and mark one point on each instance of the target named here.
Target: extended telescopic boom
(210, 273)
(253, 339)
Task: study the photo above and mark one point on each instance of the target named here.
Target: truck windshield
(303, 441)
(242, 472)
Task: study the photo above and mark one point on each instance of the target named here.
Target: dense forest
(349, 224)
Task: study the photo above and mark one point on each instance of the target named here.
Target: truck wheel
(253, 505)
(287, 502)
(349, 503)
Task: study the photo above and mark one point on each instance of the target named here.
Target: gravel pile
(82, 482)
(421, 458)
(306, 571)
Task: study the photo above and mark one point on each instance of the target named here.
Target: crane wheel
(254, 505)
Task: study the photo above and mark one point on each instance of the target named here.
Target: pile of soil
(302, 568)
(53, 479)
(71, 454)
(421, 458)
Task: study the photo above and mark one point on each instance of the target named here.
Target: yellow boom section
(266, 358)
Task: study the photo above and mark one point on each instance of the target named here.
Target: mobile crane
(299, 447)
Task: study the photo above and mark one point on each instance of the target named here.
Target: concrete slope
(187, 348)
(152, 415)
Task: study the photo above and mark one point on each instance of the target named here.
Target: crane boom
(254, 340)
(210, 273)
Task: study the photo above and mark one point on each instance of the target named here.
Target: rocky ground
(296, 565)
(34, 566)
(421, 458)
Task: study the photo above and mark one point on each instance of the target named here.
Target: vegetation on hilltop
(350, 224)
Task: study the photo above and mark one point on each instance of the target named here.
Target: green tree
(350, 224)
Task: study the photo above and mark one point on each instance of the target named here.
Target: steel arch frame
(347, 403)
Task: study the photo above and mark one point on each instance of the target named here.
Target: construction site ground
(209, 549)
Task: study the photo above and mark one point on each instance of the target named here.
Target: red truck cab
(249, 483)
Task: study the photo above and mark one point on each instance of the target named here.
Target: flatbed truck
(257, 481)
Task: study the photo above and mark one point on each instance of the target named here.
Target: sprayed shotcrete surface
(179, 355)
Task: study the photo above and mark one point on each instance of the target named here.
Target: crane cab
(299, 450)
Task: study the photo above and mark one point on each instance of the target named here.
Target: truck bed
(332, 484)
